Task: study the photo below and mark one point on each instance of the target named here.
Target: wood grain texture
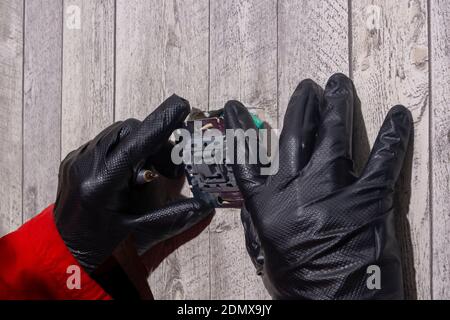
(162, 48)
(211, 51)
(243, 66)
(42, 104)
(390, 66)
(313, 43)
(88, 71)
(11, 71)
(440, 146)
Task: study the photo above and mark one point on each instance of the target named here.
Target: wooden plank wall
(11, 106)
(439, 146)
(62, 82)
(243, 54)
(390, 66)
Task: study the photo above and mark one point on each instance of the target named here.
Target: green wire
(258, 122)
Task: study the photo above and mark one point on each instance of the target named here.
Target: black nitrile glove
(314, 228)
(96, 206)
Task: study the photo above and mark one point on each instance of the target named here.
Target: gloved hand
(314, 228)
(97, 203)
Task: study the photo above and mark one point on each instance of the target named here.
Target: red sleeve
(36, 264)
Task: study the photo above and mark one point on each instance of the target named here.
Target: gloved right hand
(97, 204)
(313, 229)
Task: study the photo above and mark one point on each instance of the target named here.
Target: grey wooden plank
(11, 73)
(88, 71)
(42, 104)
(162, 48)
(440, 145)
(243, 66)
(313, 43)
(390, 66)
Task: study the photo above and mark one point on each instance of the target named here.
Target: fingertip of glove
(176, 99)
(401, 122)
(401, 113)
(204, 207)
(397, 127)
(171, 112)
(234, 107)
(178, 104)
(339, 77)
(194, 207)
(236, 115)
(339, 84)
(306, 85)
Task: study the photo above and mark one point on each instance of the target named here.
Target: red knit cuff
(36, 264)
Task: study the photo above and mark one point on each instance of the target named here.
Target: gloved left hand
(95, 207)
